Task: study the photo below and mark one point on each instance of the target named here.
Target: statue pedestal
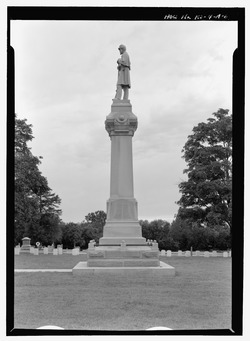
(122, 216)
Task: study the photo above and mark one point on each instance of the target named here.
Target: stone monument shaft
(122, 216)
(121, 185)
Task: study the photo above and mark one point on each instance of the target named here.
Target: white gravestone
(206, 254)
(214, 254)
(225, 254)
(36, 251)
(163, 252)
(55, 252)
(188, 253)
(169, 253)
(45, 250)
(75, 252)
(32, 249)
(179, 253)
(60, 250)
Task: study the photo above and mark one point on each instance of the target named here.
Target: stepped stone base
(155, 273)
(123, 256)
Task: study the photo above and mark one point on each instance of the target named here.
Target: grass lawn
(30, 261)
(198, 297)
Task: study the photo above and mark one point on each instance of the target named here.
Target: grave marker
(75, 252)
(17, 250)
(225, 254)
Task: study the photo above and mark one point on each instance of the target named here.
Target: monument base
(116, 232)
(123, 257)
(155, 273)
(113, 241)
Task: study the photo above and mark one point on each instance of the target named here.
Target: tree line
(204, 217)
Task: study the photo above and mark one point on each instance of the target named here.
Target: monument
(25, 245)
(122, 247)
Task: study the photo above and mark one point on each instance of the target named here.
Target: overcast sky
(65, 74)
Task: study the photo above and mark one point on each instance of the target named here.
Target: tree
(98, 217)
(158, 230)
(36, 206)
(187, 234)
(73, 235)
(94, 223)
(207, 194)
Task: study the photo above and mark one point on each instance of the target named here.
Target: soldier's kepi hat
(122, 47)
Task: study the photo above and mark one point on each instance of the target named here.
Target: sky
(65, 80)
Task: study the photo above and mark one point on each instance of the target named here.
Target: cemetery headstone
(188, 253)
(36, 251)
(225, 254)
(50, 248)
(45, 250)
(179, 253)
(163, 252)
(169, 253)
(75, 252)
(55, 252)
(17, 250)
(206, 254)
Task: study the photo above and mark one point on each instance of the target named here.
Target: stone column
(122, 217)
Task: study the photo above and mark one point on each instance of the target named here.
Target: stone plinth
(154, 273)
(122, 215)
(135, 256)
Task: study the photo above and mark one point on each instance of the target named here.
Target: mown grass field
(198, 297)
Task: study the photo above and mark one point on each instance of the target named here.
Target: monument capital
(121, 121)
